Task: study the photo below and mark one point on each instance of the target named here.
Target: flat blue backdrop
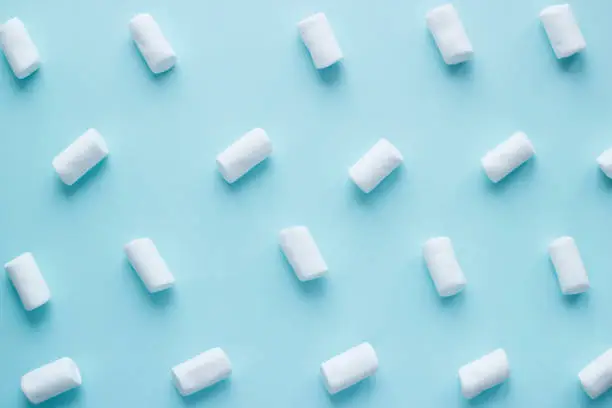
(242, 65)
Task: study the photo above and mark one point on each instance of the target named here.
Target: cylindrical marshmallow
(202, 371)
(484, 373)
(244, 154)
(450, 36)
(347, 369)
(596, 377)
(51, 380)
(28, 281)
(302, 253)
(80, 157)
(572, 275)
(507, 156)
(443, 266)
(605, 162)
(375, 165)
(19, 49)
(320, 40)
(562, 30)
(152, 44)
(149, 265)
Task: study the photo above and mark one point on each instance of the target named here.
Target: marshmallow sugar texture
(349, 368)
(80, 157)
(507, 156)
(448, 33)
(596, 377)
(374, 166)
(19, 49)
(443, 266)
(202, 371)
(149, 265)
(244, 154)
(572, 275)
(152, 44)
(28, 281)
(562, 30)
(51, 380)
(484, 373)
(320, 40)
(302, 253)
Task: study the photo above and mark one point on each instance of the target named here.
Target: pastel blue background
(242, 65)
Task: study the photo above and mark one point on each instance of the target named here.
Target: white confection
(562, 30)
(605, 162)
(149, 265)
(80, 157)
(450, 36)
(19, 49)
(302, 252)
(350, 367)
(375, 165)
(201, 371)
(153, 45)
(507, 156)
(568, 264)
(596, 378)
(320, 40)
(484, 373)
(50, 380)
(28, 281)
(244, 154)
(443, 266)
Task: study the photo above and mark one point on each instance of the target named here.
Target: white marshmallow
(568, 264)
(28, 281)
(302, 252)
(484, 373)
(153, 45)
(605, 162)
(19, 49)
(443, 266)
(596, 377)
(244, 154)
(349, 368)
(507, 156)
(149, 265)
(562, 30)
(51, 380)
(202, 371)
(81, 156)
(450, 36)
(375, 165)
(320, 40)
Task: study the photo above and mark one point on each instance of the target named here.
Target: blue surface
(242, 65)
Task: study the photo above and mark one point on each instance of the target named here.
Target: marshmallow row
(19, 49)
(568, 264)
(302, 253)
(149, 265)
(447, 30)
(319, 38)
(596, 377)
(81, 156)
(201, 371)
(374, 166)
(244, 154)
(507, 156)
(484, 373)
(443, 266)
(28, 281)
(349, 368)
(152, 44)
(562, 30)
(51, 380)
